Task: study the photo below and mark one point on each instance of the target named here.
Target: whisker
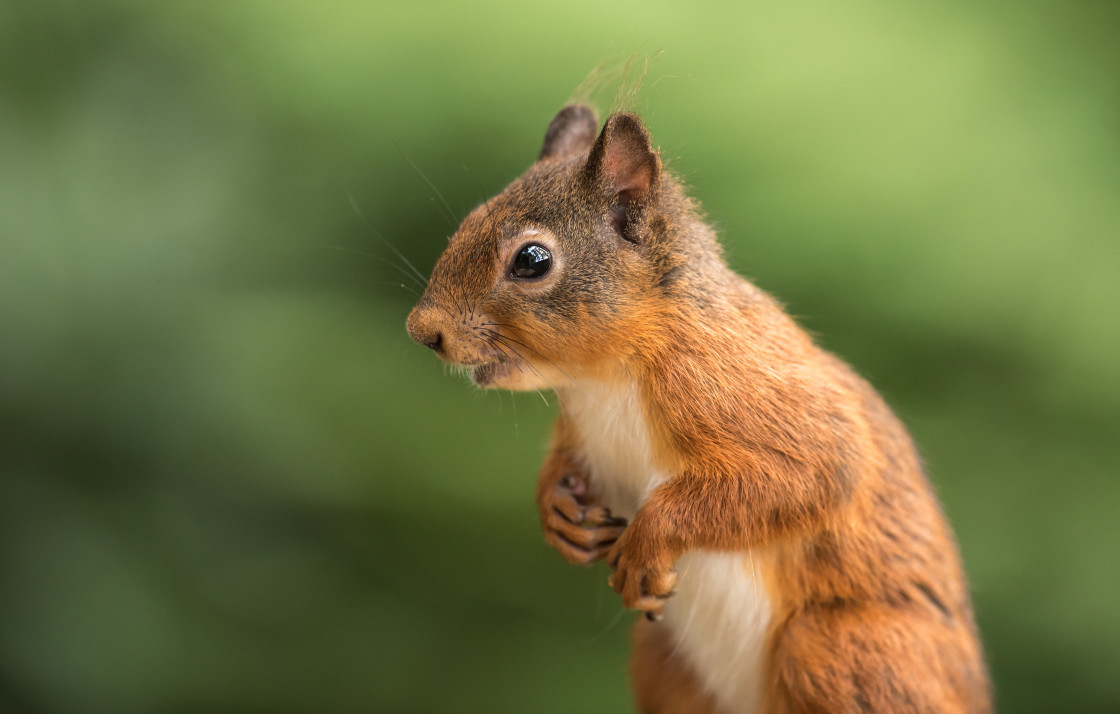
(459, 300)
(495, 337)
(505, 351)
(511, 352)
(527, 363)
(402, 285)
(358, 210)
(499, 340)
(450, 215)
(366, 254)
(485, 203)
(459, 297)
(466, 307)
(610, 625)
(546, 359)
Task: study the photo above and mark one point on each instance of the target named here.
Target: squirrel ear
(570, 133)
(624, 161)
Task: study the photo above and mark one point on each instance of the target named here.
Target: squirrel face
(542, 283)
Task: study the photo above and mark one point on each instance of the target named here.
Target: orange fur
(760, 442)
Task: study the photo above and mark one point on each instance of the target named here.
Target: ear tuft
(624, 160)
(571, 132)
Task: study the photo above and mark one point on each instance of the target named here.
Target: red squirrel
(752, 495)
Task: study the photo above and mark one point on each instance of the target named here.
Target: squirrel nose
(432, 339)
(423, 329)
(436, 343)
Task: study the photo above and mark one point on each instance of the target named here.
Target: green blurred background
(231, 483)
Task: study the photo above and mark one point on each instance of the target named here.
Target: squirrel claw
(582, 533)
(643, 585)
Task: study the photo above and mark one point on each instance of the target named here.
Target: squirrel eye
(532, 261)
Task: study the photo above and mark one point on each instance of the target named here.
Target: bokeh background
(228, 481)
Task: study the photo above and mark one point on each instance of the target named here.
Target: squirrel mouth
(485, 374)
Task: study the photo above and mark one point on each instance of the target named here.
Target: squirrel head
(551, 278)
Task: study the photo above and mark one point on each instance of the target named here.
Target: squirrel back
(752, 495)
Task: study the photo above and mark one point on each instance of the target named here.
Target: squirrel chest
(720, 614)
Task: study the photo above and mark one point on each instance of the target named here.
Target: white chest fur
(721, 612)
(615, 444)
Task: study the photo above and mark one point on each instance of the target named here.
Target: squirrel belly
(717, 620)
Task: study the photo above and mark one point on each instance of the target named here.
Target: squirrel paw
(582, 533)
(644, 583)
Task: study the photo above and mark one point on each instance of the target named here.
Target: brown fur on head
(601, 205)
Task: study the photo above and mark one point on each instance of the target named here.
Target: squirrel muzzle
(423, 327)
